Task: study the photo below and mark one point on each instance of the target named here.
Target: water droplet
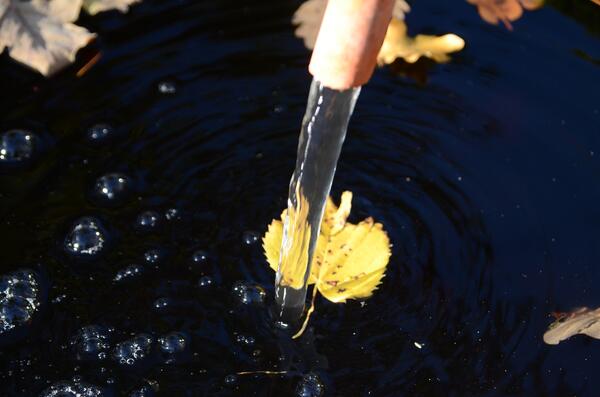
(250, 237)
(230, 380)
(72, 389)
(19, 298)
(205, 282)
(86, 237)
(90, 342)
(249, 293)
(99, 132)
(173, 342)
(133, 350)
(148, 219)
(167, 87)
(16, 146)
(310, 386)
(112, 187)
(128, 273)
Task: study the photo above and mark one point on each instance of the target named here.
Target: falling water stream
(323, 132)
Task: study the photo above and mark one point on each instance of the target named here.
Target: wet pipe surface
(137, 194)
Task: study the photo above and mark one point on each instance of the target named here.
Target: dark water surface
(485, 177)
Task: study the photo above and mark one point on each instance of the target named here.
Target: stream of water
(322, 135)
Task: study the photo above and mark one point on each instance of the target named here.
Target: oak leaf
(349, 261)
(40, 34)
(581, 321)
(398, 44)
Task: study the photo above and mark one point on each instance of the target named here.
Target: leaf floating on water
(494, 11)
(398, 44)
(581, 321)
(93, 7)
(39, 33)
(349, 261)
(309, 15)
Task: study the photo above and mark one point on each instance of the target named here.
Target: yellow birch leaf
(397, 44)
(350, 260)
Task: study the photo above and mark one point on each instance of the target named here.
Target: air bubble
(86, 237)
(72, 389)
(111, 188)
(148, 219)
(16, 146)
(200, 257)
(172, 343)
(133, 350)
(128, 273)
(310, 386)
(91, 342)
(19, 299)
(231, 380)
(171, 214)
(205, 281)
(249, 293)
(99, 132)
(161, 303)
(167, 87)
(153, 256)
(250, 237)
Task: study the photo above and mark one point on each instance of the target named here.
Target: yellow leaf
(349, 261)
(398, 45)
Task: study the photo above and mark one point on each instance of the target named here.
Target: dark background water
(485, 176)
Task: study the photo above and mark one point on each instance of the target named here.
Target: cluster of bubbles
(310, 386)
(86, 237)
(75, 388)
(245, 340)
(133, 350)
(128, 273)
(91, 342)
(19, 298)
(16, 146)
(248, 293)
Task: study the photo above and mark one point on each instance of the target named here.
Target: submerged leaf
(582, 321)
(398, 45)
(93, 7)
(349, 260)
(494, 11)
(38, 33)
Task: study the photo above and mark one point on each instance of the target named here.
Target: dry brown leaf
(93, 7)
(581, 321)
(494, 11)
(39, 33)
(398, 45)
(309, 15)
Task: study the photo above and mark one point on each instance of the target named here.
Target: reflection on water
(484, 179)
